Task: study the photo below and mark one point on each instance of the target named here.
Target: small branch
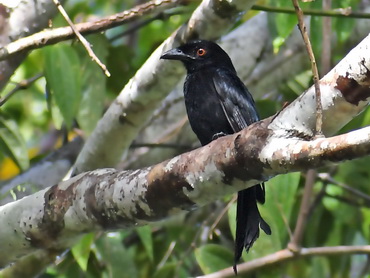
(84, 42)
(219, 217)
(161, 16)
(52, 36)
(318, 200)
(167, 255)
(286, 255)
(326, 177)
(24, 84)
(135, 27)
(341, 13)
(345, 200)
(296, 240)
(315, 72)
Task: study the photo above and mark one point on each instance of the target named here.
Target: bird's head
(200, 54)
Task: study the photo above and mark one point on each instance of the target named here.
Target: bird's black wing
(235, 99)
(238, 105)
(240, 111)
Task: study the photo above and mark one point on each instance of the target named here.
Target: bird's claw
(218, 135)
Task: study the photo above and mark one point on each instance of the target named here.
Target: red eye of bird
(201, 52)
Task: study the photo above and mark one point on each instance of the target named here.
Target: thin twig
(285, 255)
(81, 38)
(168, 253)
(341, 13)
(354, 191)
(134, 28)
(315, 72)
(345, 200)
(193, 245)
(20, 86)
(300, 227)
(220, 215)
(52, 36)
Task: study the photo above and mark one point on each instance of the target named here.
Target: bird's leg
(218, 135)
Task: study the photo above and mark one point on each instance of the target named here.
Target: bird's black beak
(176, 54)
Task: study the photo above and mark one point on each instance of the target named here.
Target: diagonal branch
(285, 255)
(82, 39)
(315, 72)
(52, 36)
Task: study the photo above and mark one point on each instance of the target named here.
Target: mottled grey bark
(21, 19)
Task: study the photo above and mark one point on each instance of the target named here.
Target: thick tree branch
(344, 94)
(107, 199)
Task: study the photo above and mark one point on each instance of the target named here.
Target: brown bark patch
(107, 215)
(166, 192)
(247, 147)
(352, 91)
(57, 202)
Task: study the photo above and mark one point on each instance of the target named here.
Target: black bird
(218, 103)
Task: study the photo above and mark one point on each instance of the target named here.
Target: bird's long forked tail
(248, 221)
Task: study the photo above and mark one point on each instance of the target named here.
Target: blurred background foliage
(70, 93)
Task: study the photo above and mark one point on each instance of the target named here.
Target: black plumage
(218, 103)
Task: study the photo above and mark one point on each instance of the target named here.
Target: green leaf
(320, 267)
(145, 234)
(280, 199)
(120, 65)
(63, 76)
(12, 143)
(366, 222)
(281, 25)
(93, 84)
(81, 251)
(119, 261)
(167, 271)
(212, 257)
